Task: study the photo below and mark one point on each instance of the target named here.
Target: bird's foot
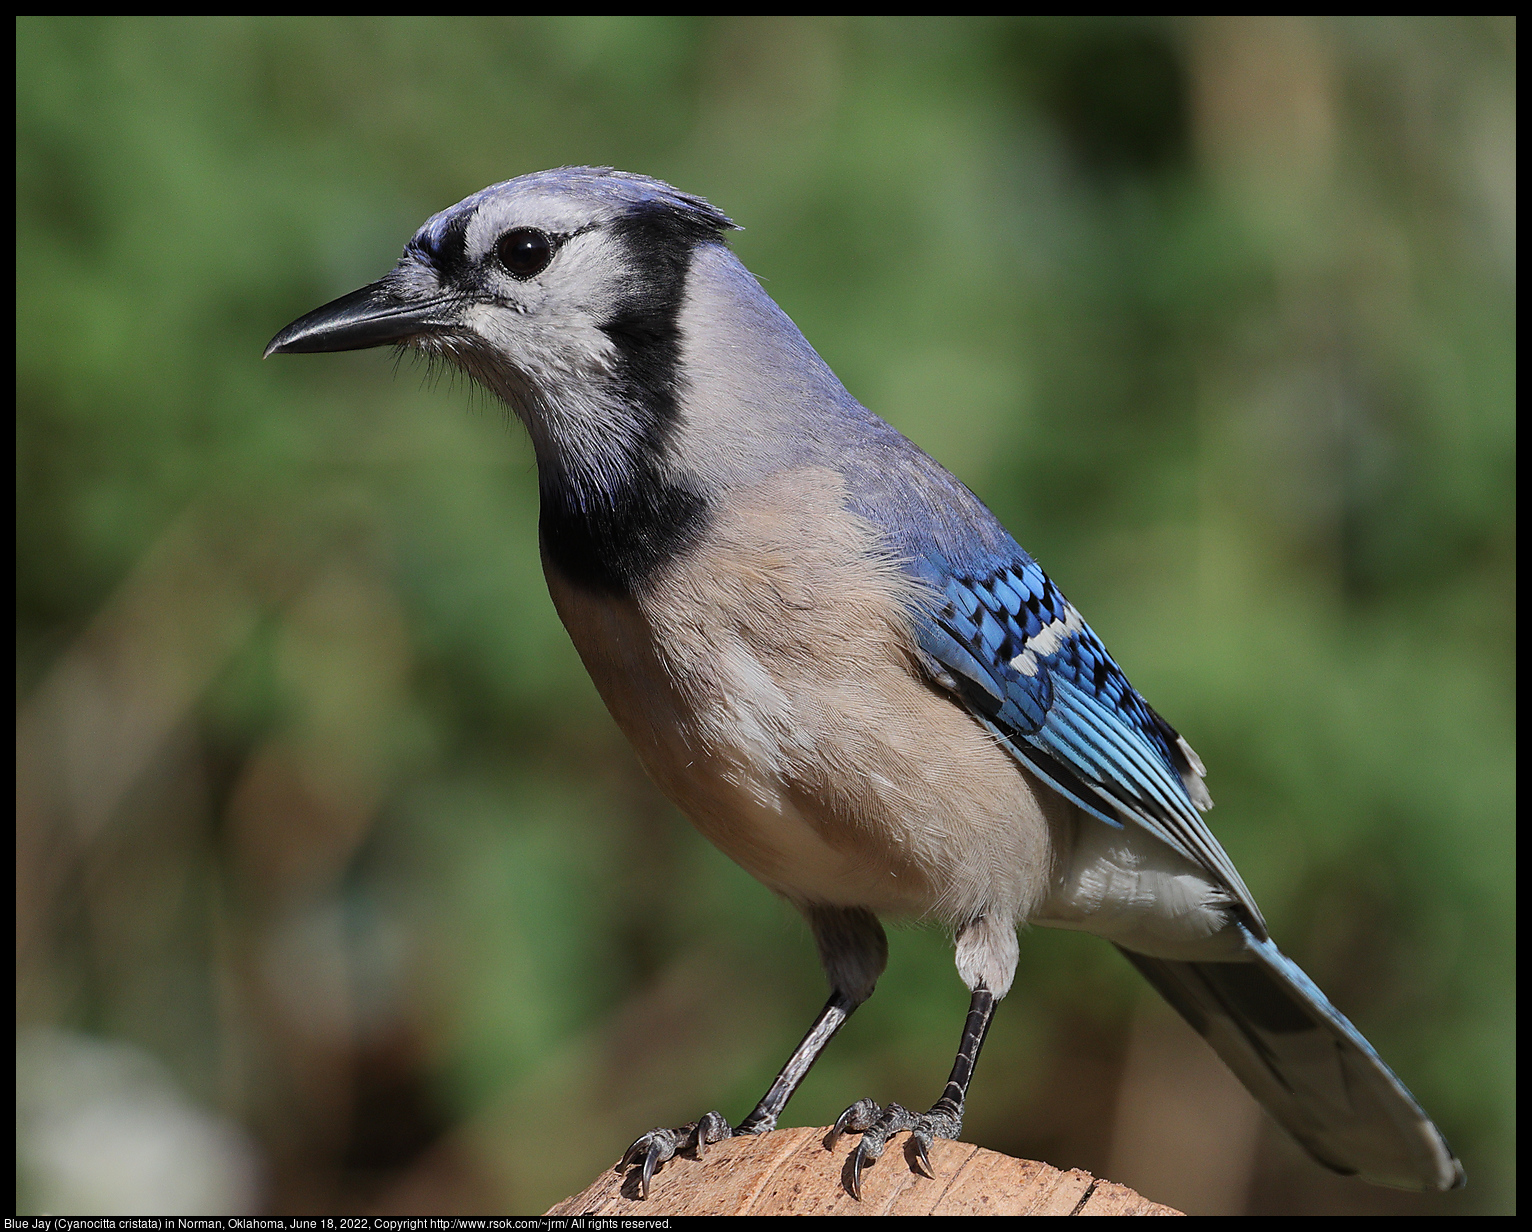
(877, 1126)
(650, 1150)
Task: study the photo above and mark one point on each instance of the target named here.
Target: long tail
(1309, 1067)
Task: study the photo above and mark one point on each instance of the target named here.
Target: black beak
(377, 315)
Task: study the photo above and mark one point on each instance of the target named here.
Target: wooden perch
(789, 1172)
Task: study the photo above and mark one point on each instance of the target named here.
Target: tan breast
(768, 685)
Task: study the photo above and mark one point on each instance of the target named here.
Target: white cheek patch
(589, 274)
(1049, 638)
(550, 368)
(552, 345)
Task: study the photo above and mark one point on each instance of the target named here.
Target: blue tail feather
(1310, 1068)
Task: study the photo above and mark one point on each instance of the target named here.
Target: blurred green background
(339, 892)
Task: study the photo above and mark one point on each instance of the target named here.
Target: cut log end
(789, 1172)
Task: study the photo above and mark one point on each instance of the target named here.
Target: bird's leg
(658, 1145)
(944, 1120)
(763, 1118)
(853, 950)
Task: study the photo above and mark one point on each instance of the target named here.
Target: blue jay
(839, 665)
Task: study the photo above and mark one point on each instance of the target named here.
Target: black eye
(524, 252)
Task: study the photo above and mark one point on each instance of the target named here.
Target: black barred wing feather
(1029, 667)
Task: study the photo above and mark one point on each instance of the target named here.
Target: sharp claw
(877, 1126)
(710, 1129)
(868, 1151)
(652, 1159)
(922, 1157)
(628, 1156)
(654, 1148)
(837, 1130)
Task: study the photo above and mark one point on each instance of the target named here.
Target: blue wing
(1000, 635)
(1024, 661)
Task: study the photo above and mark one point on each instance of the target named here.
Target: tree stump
(789, 1172)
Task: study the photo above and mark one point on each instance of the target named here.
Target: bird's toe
(877, 1126)
(856, 1119)
(651, 1150)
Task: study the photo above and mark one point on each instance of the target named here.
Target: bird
(840, 666)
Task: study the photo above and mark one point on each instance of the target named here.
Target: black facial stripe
(616, 540)
(645, 323)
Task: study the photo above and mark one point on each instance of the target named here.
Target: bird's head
(559, 291)
(651, 369)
